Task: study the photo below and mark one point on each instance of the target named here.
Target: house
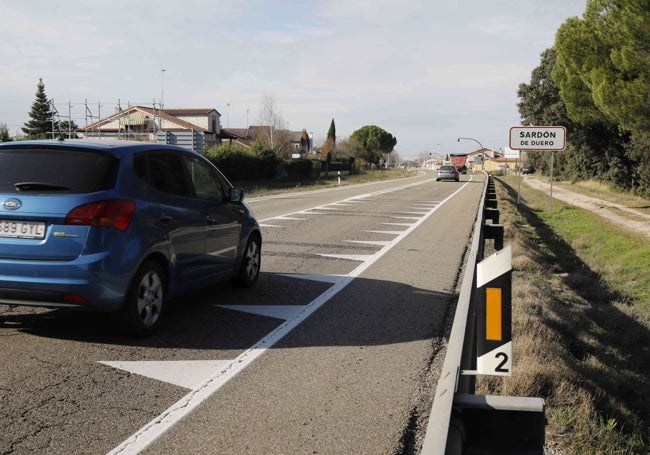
(197, 129)
(289, 144)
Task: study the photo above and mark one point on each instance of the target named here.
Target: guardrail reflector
(494, 314)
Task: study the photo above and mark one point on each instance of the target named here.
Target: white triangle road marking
(333, 279)
(369, 242)
(184, 373)
(284, 312)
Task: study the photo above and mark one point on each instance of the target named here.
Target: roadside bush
(300, 168)
(239, 163)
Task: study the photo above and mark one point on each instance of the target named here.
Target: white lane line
(368, 242)
(332, 279)
(348, 257)
(287, 217)
(270, 225)
(397, 224)
(160, 424)
(386, 232)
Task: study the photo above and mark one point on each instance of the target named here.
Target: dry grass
(576, 343)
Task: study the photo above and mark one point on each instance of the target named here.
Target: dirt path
(626, 217)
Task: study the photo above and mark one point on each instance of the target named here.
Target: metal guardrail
(458, 417)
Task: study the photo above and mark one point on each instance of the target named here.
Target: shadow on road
(366, 312)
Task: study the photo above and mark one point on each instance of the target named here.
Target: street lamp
(481, 145)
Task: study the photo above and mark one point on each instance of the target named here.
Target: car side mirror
(236, 195)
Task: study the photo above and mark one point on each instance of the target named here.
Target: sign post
(540, 138)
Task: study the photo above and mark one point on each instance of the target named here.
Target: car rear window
(56, 171)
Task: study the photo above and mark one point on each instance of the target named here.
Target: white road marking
(290, 218)
(146, 435)
(189, 374)
(348, 257)
(386, 232)
(284, 312)
(397, 224)
(368, 242)
(322, 278)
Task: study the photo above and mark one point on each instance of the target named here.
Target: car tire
(146, 300)
(249, 268)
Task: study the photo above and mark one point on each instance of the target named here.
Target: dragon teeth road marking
(284, 312)
(397, 224)
(369, 242)
(349, 257)
(189, 374)
(332, 279)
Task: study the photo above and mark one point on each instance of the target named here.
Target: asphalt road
(333, 352)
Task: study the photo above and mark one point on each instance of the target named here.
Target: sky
(426, 71)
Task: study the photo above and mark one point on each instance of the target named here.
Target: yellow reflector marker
(493, 314)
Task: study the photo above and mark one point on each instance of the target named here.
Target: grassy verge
(264, 188)
(581, 324)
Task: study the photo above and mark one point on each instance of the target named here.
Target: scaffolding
(92, 115)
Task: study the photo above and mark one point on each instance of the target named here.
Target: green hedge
(262, 163)
(238, 163)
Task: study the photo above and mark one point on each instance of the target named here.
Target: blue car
(118, 226)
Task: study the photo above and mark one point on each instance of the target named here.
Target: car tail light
(75, 299)
(113, 213)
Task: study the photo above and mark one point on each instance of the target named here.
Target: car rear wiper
(39, 186)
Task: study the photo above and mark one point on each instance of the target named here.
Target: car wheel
(249, 269)
(146, 300)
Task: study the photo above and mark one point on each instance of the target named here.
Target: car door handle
(209, 220)
(166, 219)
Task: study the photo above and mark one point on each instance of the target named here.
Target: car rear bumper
(82, 283)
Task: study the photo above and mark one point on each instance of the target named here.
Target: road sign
(552, 138)
(494, 314)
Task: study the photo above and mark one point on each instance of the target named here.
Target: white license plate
(22, 229)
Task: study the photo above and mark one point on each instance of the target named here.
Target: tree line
(595, 81)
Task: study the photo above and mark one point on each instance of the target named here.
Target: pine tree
(40, 126)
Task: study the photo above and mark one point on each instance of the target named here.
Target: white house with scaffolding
(196, 129)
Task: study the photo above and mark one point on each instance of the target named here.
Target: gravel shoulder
(627, 217)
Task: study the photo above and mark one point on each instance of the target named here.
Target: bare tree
(274, 129)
